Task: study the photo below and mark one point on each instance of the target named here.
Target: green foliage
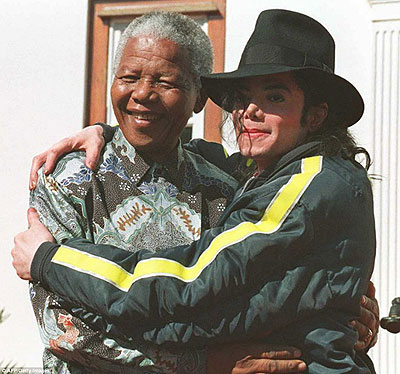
(3, 315)
(5, 367)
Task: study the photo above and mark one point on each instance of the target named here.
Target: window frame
(101, 12)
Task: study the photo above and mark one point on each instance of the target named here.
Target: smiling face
(270, 117)
(153, 95)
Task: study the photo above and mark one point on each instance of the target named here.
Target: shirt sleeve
(76, 343)
(56, 210)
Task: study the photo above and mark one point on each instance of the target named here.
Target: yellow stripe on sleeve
(93, 265)
(275, 214)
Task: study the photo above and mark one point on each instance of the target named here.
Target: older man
(148, 192)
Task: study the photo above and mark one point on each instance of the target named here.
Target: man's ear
(316, 116)
(201, 101)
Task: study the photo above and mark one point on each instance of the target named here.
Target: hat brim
(341, 95)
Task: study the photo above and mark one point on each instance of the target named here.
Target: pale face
(153, 95)
(271, 118)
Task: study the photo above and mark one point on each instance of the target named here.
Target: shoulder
(344, 175)
(205, 169)
(332, 173)
(340, 189)
(69, 169)
(72, 169)
(321, 179)
(215, 154)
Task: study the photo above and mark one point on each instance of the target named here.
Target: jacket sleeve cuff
(41, 260)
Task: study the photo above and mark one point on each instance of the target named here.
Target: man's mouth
(254, 132)
(145, 116)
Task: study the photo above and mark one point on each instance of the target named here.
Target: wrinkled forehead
(163, 51)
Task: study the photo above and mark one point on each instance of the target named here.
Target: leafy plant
(6, 367)
(3, 315)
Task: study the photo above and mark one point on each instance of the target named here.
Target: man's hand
(252, 358)
(368, 323)
(90, 140)
(26, 244)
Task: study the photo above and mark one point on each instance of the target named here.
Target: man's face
(271, 117)
(153, 95)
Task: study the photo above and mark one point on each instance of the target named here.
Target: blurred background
(55, 76)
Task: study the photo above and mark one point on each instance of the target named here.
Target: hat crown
(298, 39)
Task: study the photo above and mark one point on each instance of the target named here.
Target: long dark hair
(334, 137)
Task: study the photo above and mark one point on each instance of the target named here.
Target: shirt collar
(138, 166)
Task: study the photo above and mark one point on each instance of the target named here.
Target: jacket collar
(304, 150)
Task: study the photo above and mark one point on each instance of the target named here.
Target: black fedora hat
(286, 41)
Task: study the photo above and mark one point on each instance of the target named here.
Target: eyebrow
(276, 86)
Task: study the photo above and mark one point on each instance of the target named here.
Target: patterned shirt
(133, 204)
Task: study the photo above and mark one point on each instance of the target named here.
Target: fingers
(93, 152)
(374, 339)
(53, 154)
(27, 243)
(89, 139)
(48, 159)
(37, 162)
(280, 352)
(368, 323)
(371, 304)
(371, 290)
(250, 365)
(369, 318)
(363, 331)
(33, 217)
(254, 357)
(18, 260)
(365, 335)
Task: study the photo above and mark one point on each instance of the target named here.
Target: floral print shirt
(133, 204)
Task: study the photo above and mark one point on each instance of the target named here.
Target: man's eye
(129, 78)
(240, 99)
(276, 98)
(166, 84)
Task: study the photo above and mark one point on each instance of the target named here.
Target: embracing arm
(191, 328)
(91, 140)
(245, 260)
(140, 291)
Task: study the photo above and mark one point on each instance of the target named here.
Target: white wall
(42, 59)
(386, 152)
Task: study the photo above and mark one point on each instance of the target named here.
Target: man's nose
(143, 91)
(253, 112)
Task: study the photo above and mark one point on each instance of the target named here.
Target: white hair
(176, 27)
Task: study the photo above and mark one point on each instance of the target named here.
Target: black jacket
(292, 254)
